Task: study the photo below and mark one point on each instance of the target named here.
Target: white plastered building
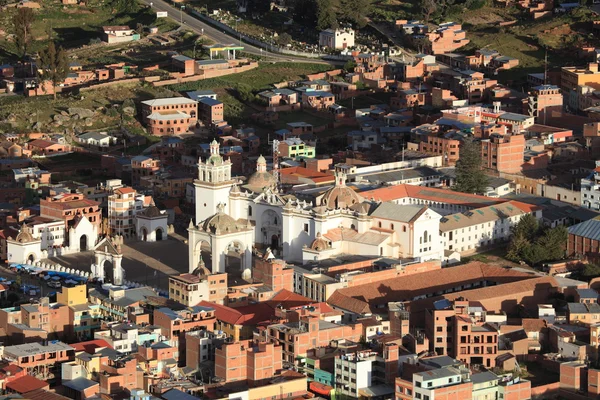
(151, 224)
(232, 220)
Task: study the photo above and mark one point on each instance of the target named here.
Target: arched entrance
(234, 262)
(203, 250)
(271, 229)
(83, 243)
(159, 234)
(108, 268)
(144, 234)
(31, 258)
(274, 242)
(108, 259)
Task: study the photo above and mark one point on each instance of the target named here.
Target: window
(249, 211)
(306, 228)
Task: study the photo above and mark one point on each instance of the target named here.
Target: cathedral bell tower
(213, 184)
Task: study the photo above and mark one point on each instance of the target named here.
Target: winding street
(217, 36)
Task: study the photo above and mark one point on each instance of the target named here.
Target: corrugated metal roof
(589, 229)
(397, 212)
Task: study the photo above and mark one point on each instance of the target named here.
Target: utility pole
(546, 68)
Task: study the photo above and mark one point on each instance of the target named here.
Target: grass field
(73, 26)
(254, 80)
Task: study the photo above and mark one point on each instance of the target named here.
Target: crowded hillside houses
(409, 226)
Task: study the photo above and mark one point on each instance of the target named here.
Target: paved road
(200, 27)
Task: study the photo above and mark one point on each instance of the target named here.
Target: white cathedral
(232, 221)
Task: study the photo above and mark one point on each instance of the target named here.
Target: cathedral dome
(24, 235)
(261, 180)
(319, 243)
(201, 271)
(220, 223)
(152, 212)
(340, 197)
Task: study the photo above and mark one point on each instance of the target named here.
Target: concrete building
(173, 324)
(572, 77)
(542, 101)
(126, 337)
(123, 204)
(295, 148)
(503, 152)
(337, 38)
(210, 111)
(191, 289)
(170, 116)
(447, 38)
(143, 166)
(469, 231)
(590, 190)
(39, 359)
(460, 330)
(296, 338)
(255, 363)
(97, 139)
(119, 34)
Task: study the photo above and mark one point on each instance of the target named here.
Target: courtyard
(148, 263)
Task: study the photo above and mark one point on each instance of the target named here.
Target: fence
(207, 74)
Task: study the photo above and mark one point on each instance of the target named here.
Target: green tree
(527, 228)
(469, 175)
(53, 65)
(590, 271)
(22, 21)
(326, 15)
(534, 245)
(534, 254)
(554, 243)
(284, 39)
(349, 66)
(517, 247)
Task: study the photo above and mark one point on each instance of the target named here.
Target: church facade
(233, 220)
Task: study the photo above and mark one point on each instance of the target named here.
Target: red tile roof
(247, 315)
(41, 394)
(296, 174)
(91, 346)
(533, 324)
(361, 298)
(508, 290)
(395, 192)
(12, 369)
(125, 190)
(42, 144)
(26, 384)
(288, 299)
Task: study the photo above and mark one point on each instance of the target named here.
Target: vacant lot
(300, 116)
